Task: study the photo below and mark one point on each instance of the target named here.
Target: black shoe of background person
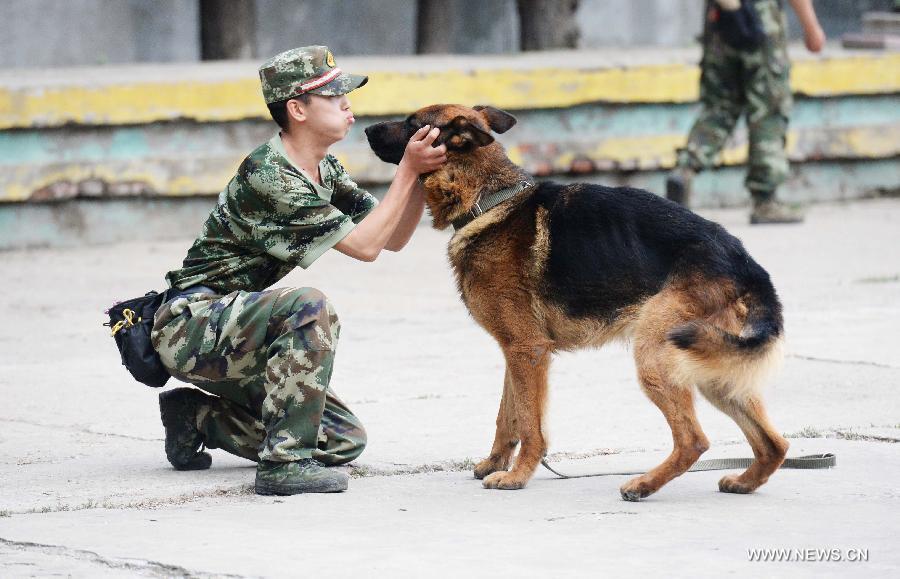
(678, 186)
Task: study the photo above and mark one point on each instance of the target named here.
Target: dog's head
(463, 129)
(474, 162)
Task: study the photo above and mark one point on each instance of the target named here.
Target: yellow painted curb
(869, 74)
(391, 93)
(658, 151)
(25, 184)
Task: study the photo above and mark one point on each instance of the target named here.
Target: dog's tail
(738, 363)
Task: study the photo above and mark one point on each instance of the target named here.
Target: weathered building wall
(385, 27)
(36, 33)
(60, 33)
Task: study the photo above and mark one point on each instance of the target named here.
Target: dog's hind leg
(527, 368)
(505, 438)
(677, 405)
(652, 355)
(769, 447)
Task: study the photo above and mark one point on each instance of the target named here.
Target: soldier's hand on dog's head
(420, 155)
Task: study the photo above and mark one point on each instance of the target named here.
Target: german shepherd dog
(560, 267)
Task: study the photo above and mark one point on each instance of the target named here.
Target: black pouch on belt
(741, 28)
(131, 322)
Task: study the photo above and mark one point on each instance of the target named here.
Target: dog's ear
(462, 134)
(500, 121)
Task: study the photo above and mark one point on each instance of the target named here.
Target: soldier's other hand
(419, 156)
(814, 39)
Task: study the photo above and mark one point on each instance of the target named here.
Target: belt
(194, 289)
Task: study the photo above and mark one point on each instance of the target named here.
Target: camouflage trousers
(268, 358)
(755, 84)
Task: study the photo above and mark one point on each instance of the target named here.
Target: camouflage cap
(308, 69)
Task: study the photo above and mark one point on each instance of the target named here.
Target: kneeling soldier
(265, 356)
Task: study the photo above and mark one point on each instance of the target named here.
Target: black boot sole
(268, 489)
(201, 461)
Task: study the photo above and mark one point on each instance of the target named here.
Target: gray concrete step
(881, 23)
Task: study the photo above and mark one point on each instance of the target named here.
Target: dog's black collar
(489, 201)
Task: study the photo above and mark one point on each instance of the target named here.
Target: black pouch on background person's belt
(131, 322)
(741, 28)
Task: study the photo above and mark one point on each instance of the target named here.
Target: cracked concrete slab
(448, 524)
(35, 559)
(82, 466)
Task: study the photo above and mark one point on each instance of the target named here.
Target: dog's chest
(490, 280)
(475, 273)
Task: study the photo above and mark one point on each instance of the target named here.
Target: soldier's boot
(767, 209)
(178, 409)
(303, 476)
(678, 185)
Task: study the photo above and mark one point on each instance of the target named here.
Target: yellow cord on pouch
(126, 323)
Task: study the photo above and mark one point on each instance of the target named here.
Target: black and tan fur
(562, 267)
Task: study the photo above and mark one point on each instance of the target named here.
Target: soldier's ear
(499, 120)
(296, 109)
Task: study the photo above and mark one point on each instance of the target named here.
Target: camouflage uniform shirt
(270, 219)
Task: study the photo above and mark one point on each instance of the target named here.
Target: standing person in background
(745, 70)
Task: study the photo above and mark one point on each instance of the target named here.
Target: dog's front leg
(527, 367)
(506, 437)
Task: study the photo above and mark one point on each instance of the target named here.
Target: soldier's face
(328, 117)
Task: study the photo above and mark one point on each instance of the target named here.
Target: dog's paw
(636, 489)
(486, 467)
(732, 484)
(504, 480)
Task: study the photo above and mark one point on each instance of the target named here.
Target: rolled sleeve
(293, 223)
(305, 236)
(289, 216)
(325, 243)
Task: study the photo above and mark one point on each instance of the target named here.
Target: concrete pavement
(85, 489)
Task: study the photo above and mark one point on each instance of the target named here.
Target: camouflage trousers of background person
(268, 357)
(735, 82)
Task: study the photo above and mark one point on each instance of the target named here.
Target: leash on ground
(811, 461)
